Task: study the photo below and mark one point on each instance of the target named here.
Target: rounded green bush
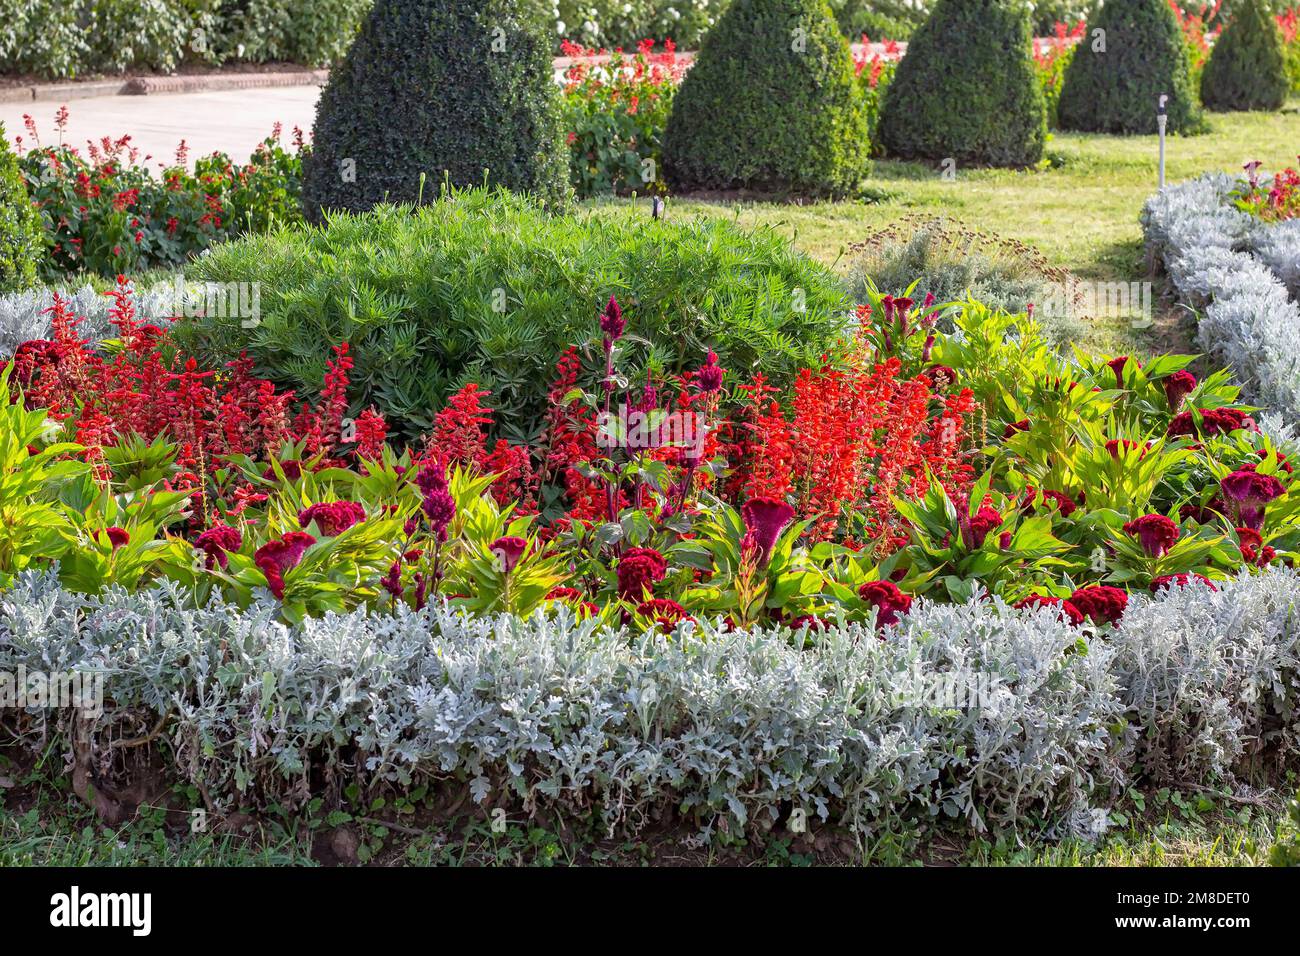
(20, 234)
(966, 89)
(770, 105)
(1132, 53)
(454, 89)
(485, 286)
(1247, 67)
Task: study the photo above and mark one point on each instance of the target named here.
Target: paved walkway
(234, 121)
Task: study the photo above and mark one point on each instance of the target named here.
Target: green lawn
(1081, 212)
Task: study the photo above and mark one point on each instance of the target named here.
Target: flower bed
(721, 730)
(105, 212)
(1221, 259)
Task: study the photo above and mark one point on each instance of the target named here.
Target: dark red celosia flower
(1249, 537)
(333, 517)
(1282, 462)
(1249, 491)
(563, 594)
(392, 581)
(292, 470)
(508, 550)
(1167, 581)
(1177, 387)
(1201, 514)
(1004, 540)
(1117, 366)
(218, 540)
(1064, 504)
(117, 536)
(663, 612)
(1115, 444)
(764, 519)
(981, 523)
(612, 322)
(942, 377)
(888, 601)
(1065, 609)
(1156, 533)
(810, 621)
(709, 375)
(275, 558)
(638, 570)
(1101, 602)
(1214, 421)
(1010, 430)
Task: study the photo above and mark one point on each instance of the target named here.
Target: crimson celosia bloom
(612, 322)
(1020, 426)
(1177, 387)
(333, 517)
(218, 540)
(1156, 533)
(508, 550)
(663, 612)
(1249, 491)
(117, 536)
(709, 375)
(1065, 609)
(275, 558)
(977, 527)
(1117, 366)
(810, 621)
(764, 519)
(888, 601)
(1214, 421)
(638, 570)
(1101, 602)
(1064, 504)
(1181, 580)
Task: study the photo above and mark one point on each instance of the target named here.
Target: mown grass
(1081, 210)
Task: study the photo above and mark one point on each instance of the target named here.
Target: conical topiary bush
(20, 236)
(454, 88)
(1132, 53)
(966, 89)
(770, 104)
(1247, 67)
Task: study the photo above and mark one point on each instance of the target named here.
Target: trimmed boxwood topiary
(1247, 67)
(461, 89)
(20, 235)
(770, 105)
(1133, 52)
(966, 89)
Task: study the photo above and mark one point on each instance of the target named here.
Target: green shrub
(460, 89)
(1247, 67)
(769, 105)
(1115, 78)
(484, 286)
(967, 89)
(20, 239)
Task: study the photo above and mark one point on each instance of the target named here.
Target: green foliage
(770, 105)
(60, 39)
(33, 528)
(967, 89)
(1247, 67)
(20, 242)
(484, 286)
(432, 89)
(1286, 851)
(1115, 78)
